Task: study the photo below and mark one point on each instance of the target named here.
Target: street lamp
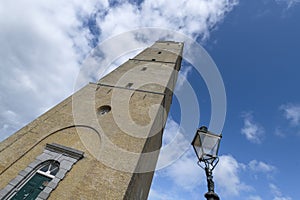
(206, 145)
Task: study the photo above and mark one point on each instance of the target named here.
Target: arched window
(49, 170)
(32, 188)
(42, 175)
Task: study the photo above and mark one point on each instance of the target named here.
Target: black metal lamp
(206, 145)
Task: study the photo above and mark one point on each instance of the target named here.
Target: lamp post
(206, 145)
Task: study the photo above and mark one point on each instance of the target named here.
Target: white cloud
(186, 176)
(186, 173)
(175, 144)
(291, 113)
(282, 198)
(252, 130)
(289, 3)
(11, 120)
(190, 17)
(183, 77)
(277, 193)
(279, 132)
(259, 166)
(38, 58)
(227, 176)
(178, 157)
(254, 198)
(158, 195)
(44, 42)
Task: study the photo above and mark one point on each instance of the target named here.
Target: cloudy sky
(45, 56)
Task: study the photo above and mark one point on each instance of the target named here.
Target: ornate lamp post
(206, 145)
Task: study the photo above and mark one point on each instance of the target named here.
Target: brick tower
(100, 143)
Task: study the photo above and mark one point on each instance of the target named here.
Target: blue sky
(256, 50)
(255, 45)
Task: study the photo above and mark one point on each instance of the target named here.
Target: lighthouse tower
(100, 143)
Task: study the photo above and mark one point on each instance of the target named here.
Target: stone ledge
(74, 153)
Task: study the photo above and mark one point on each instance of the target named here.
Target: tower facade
(100, 143)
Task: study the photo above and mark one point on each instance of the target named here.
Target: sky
(45, 55)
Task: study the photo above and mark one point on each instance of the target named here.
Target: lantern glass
(206, 144)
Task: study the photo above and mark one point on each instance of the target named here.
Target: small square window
(129, 85)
